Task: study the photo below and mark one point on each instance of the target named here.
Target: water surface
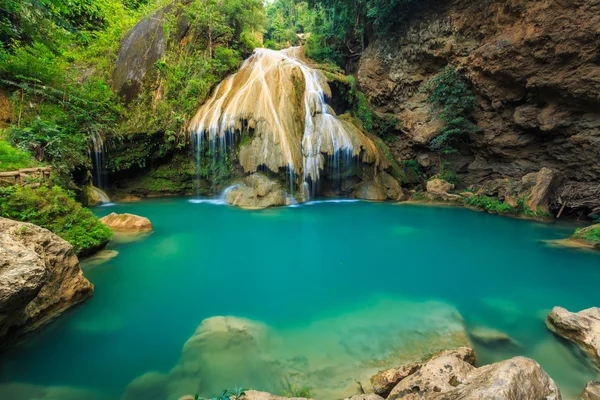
(317, 293)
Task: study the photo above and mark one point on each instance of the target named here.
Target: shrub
(452, 101)
(490, 204)
(591, 234)
(55, 209)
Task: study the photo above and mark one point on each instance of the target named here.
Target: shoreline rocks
(40, 278)
(127, 223)
(581, 328)
(451, 375)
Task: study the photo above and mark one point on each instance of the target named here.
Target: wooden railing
(25, 176)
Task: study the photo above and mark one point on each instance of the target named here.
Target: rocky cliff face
(40, 278)
(535, 69)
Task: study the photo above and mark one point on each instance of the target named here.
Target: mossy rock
(589, 236)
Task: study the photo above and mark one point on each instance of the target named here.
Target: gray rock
(141, 48)
(40, 278)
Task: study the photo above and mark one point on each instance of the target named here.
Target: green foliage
(227, 394)
(591, 234)
(452, 101)
(55, 209)
(490, 204)
(448, 176)
(595, 218)
(13, 158)
(215, 167)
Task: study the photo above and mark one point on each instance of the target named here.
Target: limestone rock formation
(592, 391)
(370, 190)
(439, 186)
(257, 192)
(384, 381)
(582, 328)
(127, 223)
(278, 102)
(532, 190)
(40, 278)
(448, 375)
(533, 68)
(437, 190)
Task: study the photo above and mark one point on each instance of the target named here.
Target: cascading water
(279, 102)
(98, 158)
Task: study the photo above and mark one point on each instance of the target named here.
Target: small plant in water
(227, 394)
(293, 390)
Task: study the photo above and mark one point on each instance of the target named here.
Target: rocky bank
(40, 278)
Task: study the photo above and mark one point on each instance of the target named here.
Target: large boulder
(531, 193)
(370, 190)
(40, 278)
(439, 186)
(127, 223)
(142, 47)
(384, 382)
(581, 328)
(450, 375)
(257, 192)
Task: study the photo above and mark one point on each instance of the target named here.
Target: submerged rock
(257, 192)
(592, 391)
(581, 328)
(489, 336)
(450, 375)
(330, 355)
(40, 278)
(128, 223)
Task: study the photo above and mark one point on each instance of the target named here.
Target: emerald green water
(328, 290)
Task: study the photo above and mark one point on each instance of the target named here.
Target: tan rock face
(370, 190)
(450, 375)
(128, 223)
(582, 328)
(257, 192)
(439, 186)
(383, 382)
(538, 104)
(534, 189)
(40, 278)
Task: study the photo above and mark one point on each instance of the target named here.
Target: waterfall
(278, 102)
(98, 158)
